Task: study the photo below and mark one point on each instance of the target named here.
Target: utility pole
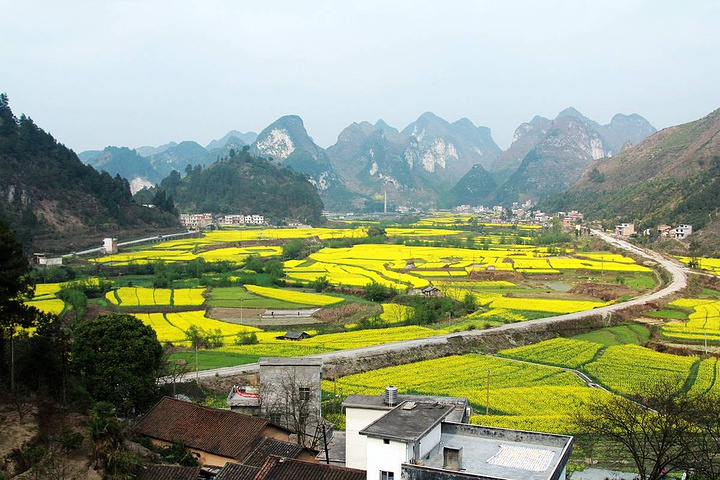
(487, 394)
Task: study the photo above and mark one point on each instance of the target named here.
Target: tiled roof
(167, 472)
(269, 446)
(221, 432)
(278, 468)
(237, 471)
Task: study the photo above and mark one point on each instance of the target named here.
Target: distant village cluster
(204, 220)
(522, 213)
(679, 232)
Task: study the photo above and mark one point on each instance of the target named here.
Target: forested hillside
(671, 177)
(54, 201)
(243, 183)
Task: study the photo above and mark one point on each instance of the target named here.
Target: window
(386, 441)
(387, 475)
(304, 393)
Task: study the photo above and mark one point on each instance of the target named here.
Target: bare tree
(659, 426)
(292, 400)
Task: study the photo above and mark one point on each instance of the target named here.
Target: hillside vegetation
(243, 183)
(671, 177)
(50, 198)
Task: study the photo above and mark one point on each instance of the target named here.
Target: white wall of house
(430, 441)
(387, 457)
(355, 444)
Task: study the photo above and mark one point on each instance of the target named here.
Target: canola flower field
(402, 266)
(303, 298)
(143, 297)
(711, 265)
(515, 386)
(703, 322)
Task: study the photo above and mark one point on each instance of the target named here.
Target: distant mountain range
(548, 156)
(429, 163)
(147, 166)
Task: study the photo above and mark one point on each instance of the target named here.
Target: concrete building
(363, 410)
(290, 392)
(467, 452)
(682, 231)
(196, 220)
(427, 438)
(625, 229)
(110, 246)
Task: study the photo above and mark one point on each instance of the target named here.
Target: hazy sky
(142, 72)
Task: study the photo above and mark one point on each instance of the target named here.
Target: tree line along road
(678, 282)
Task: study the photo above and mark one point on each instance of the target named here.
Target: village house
(362, 410)
(681, 232)
(625, 229)
(290, 395)
(426, 438)
(278, 468)
(273, 467)
(214, 436)
(196, 220)
(110, 246)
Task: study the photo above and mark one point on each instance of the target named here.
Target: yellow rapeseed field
(293, 296)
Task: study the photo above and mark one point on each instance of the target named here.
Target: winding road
(678, 282)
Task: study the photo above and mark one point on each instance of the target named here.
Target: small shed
(431, 291)
(294, 336)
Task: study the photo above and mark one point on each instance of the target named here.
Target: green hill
(671, 177)
(249, 185)
(54, 201)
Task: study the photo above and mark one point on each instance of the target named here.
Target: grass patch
(632, 333)
(208, 359)
(236, 297)
(640, 282)
(133, 281)
(668, 314)
(709, 292)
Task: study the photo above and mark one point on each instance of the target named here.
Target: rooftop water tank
(391, 394)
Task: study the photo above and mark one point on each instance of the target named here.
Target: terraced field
(156, 297)
(519, 377)
(703, 321)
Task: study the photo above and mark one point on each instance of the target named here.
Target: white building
(625, 229)
(196, 220)
(682, 231)
(427, 438)
(110, 246)
(362, 410)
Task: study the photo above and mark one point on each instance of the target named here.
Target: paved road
(157, 238)
(679, 282)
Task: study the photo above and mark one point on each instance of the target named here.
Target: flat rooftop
(408, 422)
(497, 453)
(377, 402)
(291, 361)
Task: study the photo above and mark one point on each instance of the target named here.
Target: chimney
(452, 458)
